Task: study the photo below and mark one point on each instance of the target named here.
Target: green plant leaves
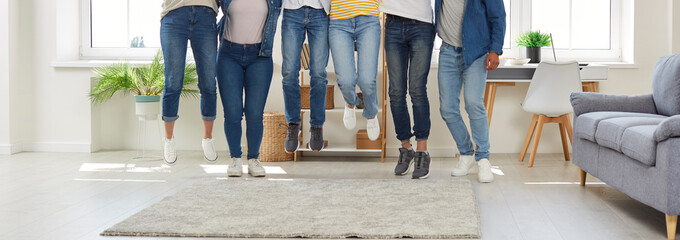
(147, 80)
(533, 39)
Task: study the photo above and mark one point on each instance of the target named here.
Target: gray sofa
(632, 143)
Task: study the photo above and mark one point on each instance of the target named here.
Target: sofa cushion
(638, 143)
(666, 85)
(586, 124)
(610, 131)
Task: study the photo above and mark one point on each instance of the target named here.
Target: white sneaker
(350, 119)
(209, 152)
(485, 175)
(235, 168)
(464, 165)
(255, 168)
(373, 128)
(169, 152)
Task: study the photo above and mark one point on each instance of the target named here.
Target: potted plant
(533, 41)
(145, 82)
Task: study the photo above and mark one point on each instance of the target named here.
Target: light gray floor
(77, 196)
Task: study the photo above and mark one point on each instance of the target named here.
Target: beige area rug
(311, 208)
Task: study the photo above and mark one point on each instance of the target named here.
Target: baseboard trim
(9, 149)
(57, 147)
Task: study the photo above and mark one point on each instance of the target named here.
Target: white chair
(548, 99)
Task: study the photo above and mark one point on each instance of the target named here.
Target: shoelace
(420, 161)
(402, 157)
(233, 164)
(257, 163)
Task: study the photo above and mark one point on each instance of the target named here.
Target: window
(581, 29)
(120, 28)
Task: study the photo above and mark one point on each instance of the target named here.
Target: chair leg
(583, 175)
(567, 124)
(537, 138)
(565, 145)
(527, 140)
(671, 225)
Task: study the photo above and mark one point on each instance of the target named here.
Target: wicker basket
(304, 96)
(304, 89)
(273, 138)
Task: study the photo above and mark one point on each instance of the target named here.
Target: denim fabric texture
(479, 16)
(269, 27)
(366, 31)
(241, 70)
(454, 75)
(195, 24)
(408, 47)
(298, 24)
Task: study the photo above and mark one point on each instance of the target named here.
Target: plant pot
(534, 53)
(147, 107)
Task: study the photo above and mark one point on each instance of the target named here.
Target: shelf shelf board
(342, 149)
(339, 110)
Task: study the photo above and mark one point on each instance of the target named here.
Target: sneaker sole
(169, 163)
(234, 175)
(423, 177)
(257, 175)
(209, 160)
(410, 166)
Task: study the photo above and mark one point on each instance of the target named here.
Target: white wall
(4, 78)
(56, 116)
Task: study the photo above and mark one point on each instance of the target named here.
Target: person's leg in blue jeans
(341, 39)
(453, 75)
(368, 46)
(258, 78)
(230, 77)
(204, 46)
(451, 67)
(175, 34)
(292, 38)
(317, 34)
(474, 83)
(397, 54)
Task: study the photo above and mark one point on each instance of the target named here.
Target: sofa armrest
(669, 128)
(585, 102)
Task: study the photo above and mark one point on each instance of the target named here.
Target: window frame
(87, 52)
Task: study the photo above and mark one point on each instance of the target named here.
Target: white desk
(509, 75)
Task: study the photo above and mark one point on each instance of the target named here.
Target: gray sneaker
(422, 169)
(405, 161)
(316, 138)
(292, 138)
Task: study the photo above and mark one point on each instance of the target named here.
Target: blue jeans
(197, 25)
(242, 70)
(408, 47)
(365, 30)
(297, 23)
(453, 76)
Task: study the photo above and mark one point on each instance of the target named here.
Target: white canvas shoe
(485, 175)
(209, 152)
(373, 128)
(349, 118)
(255, 168)
(464, 164)
(235, 168)
(169, 152)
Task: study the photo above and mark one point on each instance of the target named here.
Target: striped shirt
(346, 9)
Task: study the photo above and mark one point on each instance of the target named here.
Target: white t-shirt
(420, 10)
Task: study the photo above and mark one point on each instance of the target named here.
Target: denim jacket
(483, 27)
(269, 26)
